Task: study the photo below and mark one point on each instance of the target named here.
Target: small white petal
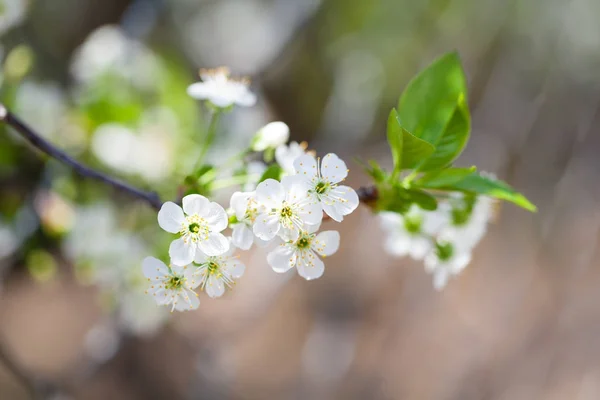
(170, 217)
(333, 211)
(282, 258)
(326, 243)
(200, 257)
(200, 91)
(239, 203)
(215, 245)
(266, 226)
(419, 247)
(214, 287)
(181, 253)
(270, 193)
(311, 214)
(195, 204)
(194, 301)
(344, 199)
(154, 269)
(242, 236)
(216, 216)
(306, 165)
(271, 135)
(310, 266)
(333, 168)
(440, 278)
(246, 99)
(397, 245)
(234, 267)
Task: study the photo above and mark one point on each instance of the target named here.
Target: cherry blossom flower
(285, 208)
(323, 186)
(216, 272)
(199, 224)
(221, 90)
(173, 285)
(411, 234)
(302, 253)
(272, 135)
(285, 155)
(245, 209)
(444, 262)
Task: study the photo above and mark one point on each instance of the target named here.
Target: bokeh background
(105, 81)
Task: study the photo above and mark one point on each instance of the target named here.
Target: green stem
(409, 178)
(209, 138)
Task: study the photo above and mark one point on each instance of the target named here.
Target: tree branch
(367, 194)
(48, 148)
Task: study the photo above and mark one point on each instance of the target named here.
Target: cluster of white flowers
(285, 214)
(444, 239)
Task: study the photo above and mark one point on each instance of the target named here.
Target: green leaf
(478, 184)
(273, 172)
(429, 100)
(444, 177)
(398, 199)
(452, 140)
(407, 149)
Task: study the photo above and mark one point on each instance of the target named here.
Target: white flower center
(288, 216)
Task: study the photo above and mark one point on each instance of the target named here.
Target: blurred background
(105, 80)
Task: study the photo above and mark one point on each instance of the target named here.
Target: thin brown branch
(48, 148)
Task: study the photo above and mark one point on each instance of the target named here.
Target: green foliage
(398, 198)
(453, 139)
(426, 135)
(430, 98)
(407, 149)
(498, 189)
(273, 172)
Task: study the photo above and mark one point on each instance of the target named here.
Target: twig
(48, 148)
(367, 195)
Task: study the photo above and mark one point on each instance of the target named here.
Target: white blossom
(272, 135)
(12, 13)
(285, 155)
(199, 225)
(221, 90)
(302, 253)
(410, 234)
(468, 219)
(245, 209)
(322, 182)
(445, 261)
(216, 272)
(285, 208)
(173, 285)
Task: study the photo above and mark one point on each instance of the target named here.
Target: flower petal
(242, 236)
(216, 217)
(266, 226)
(194, 301)
(234, 267)
(215, 245)
(309, 265)
(246, 99)
(195, 204)
(239, 203)
(343, 199)
(181, 253)
(200, 90)
(154, 269)
(440, 278)
(333, 168)
(326, 243)
(306, 165)
(170, 217)
(200, 257)
(311, 213)
(214, 287)
(270, 193)
(282, 258)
